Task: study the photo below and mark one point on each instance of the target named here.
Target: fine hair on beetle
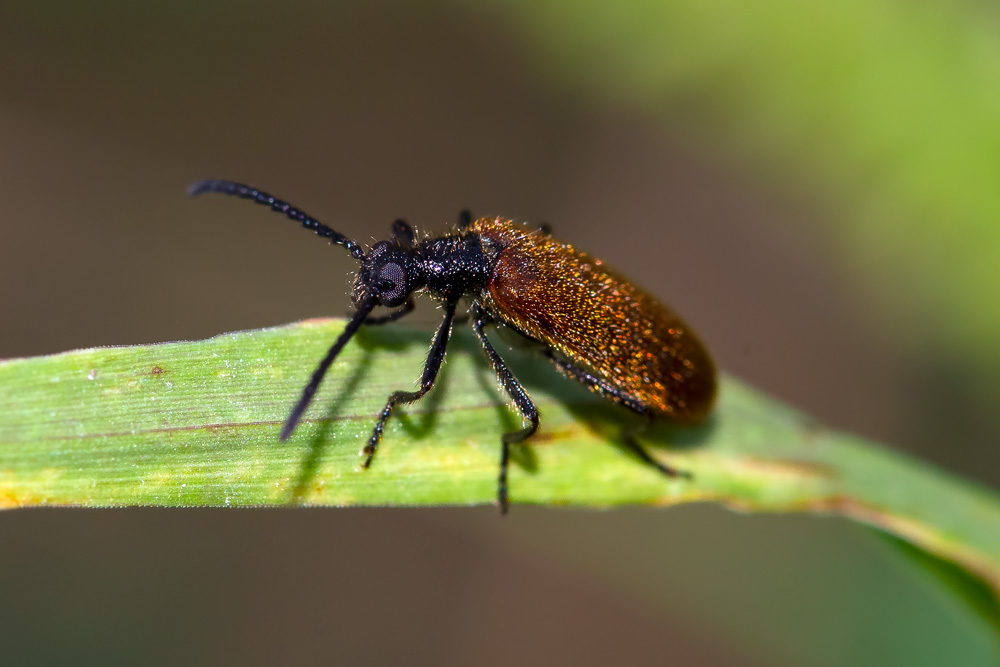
(593, 325)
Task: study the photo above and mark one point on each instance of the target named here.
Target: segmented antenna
(264, 199)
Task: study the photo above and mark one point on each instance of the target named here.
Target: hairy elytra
(594, 325)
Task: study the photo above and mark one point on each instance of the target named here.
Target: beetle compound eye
(391, 281)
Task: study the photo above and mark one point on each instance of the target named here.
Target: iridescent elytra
(595, 326)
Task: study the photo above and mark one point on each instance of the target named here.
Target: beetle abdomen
(597, 319)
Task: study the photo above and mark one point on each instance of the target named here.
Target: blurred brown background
(360, 113)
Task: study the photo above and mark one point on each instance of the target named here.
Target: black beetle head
(385, 273)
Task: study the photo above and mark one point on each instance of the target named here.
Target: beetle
(595, 326)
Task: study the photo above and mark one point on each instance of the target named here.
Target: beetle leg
(516, 393)
(431, 368)
(628, 437)
(597, 384)
(405, 309)
(621, 398)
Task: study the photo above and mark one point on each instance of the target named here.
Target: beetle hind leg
(604, 389)
(628, 438)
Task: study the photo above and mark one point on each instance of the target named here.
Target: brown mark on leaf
(157, 371)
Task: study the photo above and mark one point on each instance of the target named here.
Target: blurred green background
(811, 184)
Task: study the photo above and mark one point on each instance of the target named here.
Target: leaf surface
(196, 424)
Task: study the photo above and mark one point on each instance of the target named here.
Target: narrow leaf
(197, 423)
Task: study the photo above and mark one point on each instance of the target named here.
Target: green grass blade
(196, 424)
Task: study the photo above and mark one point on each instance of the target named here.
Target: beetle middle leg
(517, 394)
(604, 389)
(431, 368)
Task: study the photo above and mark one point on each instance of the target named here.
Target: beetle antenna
(307, 394)
(248, 192)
